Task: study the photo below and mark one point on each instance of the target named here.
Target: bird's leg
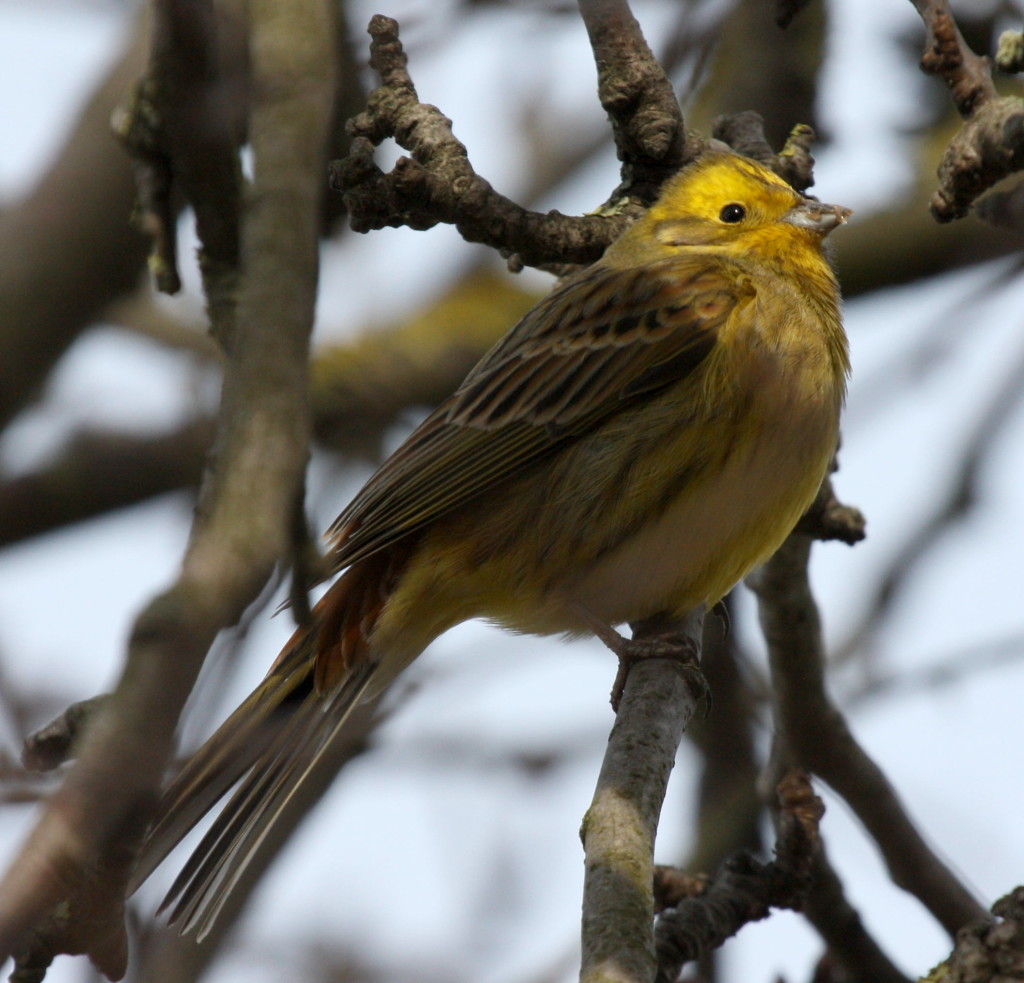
(657, 637)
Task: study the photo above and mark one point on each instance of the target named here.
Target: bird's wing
(594, 346)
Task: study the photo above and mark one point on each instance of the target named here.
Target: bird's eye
(733, 213)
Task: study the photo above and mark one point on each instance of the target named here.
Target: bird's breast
(760, 469)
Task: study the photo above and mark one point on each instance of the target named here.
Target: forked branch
(990, 144)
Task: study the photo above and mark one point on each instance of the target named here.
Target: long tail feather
(267, 747)
(217, 839)
(271, 744)
(237, 746)
(215, 868)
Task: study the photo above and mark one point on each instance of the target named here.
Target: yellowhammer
(641, 440)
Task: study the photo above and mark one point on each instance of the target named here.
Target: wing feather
(601, 341)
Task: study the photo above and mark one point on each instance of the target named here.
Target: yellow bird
(643, 438)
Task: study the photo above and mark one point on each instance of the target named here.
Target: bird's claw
(678, 649)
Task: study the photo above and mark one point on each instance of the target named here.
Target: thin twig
(943, 670)
(840, 926)
(958, 499)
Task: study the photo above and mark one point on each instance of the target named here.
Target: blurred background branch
(64, 891)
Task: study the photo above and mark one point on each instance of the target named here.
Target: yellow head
(729, 204)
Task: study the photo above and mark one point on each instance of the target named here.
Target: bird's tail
(268, 747)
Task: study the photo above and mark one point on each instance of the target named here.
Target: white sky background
(488, 857)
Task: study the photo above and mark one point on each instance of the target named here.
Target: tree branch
(991, 949)
(813, 734)
(438, 184)
(619, 828)
(184, 126)
(729, 807)
(990, 144)
(839, 924)
(359, 388)
(80, 850)
(745, 890)
(53, 277)
(97, 472)
(642, 108)
(948, 56)
(744, 132)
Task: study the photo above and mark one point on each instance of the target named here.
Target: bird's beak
(816, 216)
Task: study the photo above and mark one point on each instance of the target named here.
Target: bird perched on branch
(637, 443)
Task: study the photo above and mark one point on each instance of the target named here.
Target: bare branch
(990, 144)
(903, 244)
(80, 850)
(642, 108)
(52, 745)
(619, 828)
(746, 890)
(359, 388)
(744, 132)
(986, 149)
(944, 670)
(828, 519)
(730, 808)
(438, 184)
(956, 502)
(839, 924)
(53, 278)
(989, 949)
(672, 886)
(185, 125)
(948, 56)
(813, 734)
(97, 472)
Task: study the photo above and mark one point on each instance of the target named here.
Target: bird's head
(726, 203)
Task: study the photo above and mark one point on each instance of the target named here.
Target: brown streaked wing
(593, 346)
